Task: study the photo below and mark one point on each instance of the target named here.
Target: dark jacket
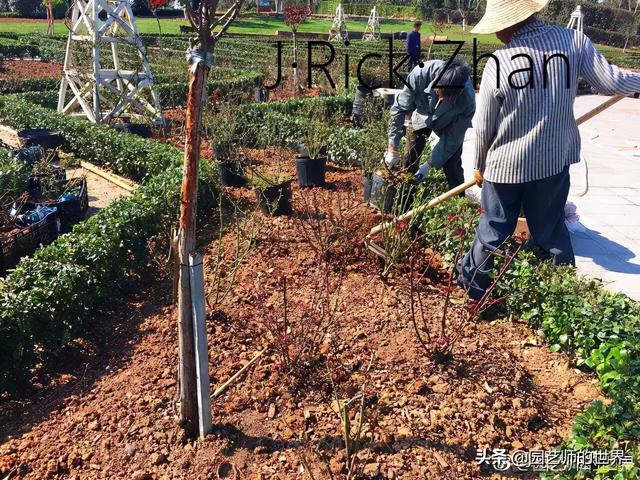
(413, 45)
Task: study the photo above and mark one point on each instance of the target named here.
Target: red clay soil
(21, 69)
(110, 413)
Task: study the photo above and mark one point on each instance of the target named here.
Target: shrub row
(50, 297)
(129, 155)
(320, 108)
(19, 85)
(614, 39)
(598, 328)
(174, 94)
(384, 9)
(47, 300)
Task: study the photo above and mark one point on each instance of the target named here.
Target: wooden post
(198, 74)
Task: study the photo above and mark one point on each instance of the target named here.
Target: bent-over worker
(444, 106)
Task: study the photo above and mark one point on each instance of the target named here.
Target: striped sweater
(527, 134)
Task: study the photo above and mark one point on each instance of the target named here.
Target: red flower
(401, 226)
(155, 4)
(460, 233)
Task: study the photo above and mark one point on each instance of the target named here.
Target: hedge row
(598, 328)
(384, 9)
(172, 93)
(19, 85)
(50, 297)
(129, 155)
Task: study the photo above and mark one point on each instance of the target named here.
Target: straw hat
(502, 14)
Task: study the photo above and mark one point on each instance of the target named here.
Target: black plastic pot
(140, 129)
(311, 171)
(367, 182)
(275, 200)
(261, 94)
(231, 175)
(390, 198)
(41, 137)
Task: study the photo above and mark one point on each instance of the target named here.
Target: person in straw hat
(526, 132)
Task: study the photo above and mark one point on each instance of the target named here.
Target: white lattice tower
(113, 79)
(372, 30)
(577, 19)
(338, 30)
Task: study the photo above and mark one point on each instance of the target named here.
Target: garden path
(609, 248)
(101, 191)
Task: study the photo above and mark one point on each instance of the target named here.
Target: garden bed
(502, 388)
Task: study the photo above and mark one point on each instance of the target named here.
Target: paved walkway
(609, 248)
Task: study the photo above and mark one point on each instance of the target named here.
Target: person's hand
(477, 176)
(423, 172)
(391, 157)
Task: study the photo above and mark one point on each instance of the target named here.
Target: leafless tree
(209, 29)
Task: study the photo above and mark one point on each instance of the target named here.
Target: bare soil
(20, 69)
(107, 409)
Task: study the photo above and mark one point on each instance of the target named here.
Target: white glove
(423, 172)
(418, 121)
(391, 158)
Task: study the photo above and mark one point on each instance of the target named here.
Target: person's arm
(487, 116)
(452, 137)
(404, 103)
(604, 77)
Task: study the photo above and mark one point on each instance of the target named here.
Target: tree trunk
(186, 245)
(49, 18)
(295, 61)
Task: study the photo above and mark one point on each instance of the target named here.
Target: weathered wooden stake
(196, 277)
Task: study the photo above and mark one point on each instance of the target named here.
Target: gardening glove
(391, 158)
(477, 175)
(423, 172)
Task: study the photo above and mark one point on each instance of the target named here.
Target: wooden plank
(121, 182)
(10, 136)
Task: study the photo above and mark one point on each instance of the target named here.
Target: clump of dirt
(115, 415)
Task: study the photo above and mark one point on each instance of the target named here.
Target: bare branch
(235, 9)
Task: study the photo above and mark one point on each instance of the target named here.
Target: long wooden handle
(436, 201)
(600, 108)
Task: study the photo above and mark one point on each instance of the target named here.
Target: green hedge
(50, 297)
(19, 85)
(614, 39)
(174, 94)
(328, 7)
(129, 155)
(600, 329)
(318, 108)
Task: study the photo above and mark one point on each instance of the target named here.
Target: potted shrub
(311, 161)
(372, 150)
(273, 193)
(226, 146)
(392, 192)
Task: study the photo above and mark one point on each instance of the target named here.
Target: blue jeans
(543, 203)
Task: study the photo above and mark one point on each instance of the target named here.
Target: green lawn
(259, 25)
